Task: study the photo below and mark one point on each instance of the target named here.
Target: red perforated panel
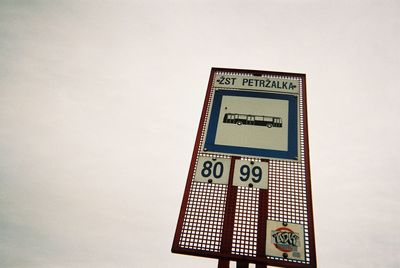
(203, 221)
(246, 222)
(229, 222)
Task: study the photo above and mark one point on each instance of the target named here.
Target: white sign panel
(251, 174)
(253, 122)
(212, 170)
(257, 83)
(249, 123)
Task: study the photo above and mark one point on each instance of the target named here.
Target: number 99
(246, 172)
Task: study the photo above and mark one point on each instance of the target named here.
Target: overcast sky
(100, 103)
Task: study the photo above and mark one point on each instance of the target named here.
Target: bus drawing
(253, 120)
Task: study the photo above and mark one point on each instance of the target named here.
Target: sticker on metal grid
(285, 240)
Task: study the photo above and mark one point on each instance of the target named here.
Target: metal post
(242, 264)
(223, 263)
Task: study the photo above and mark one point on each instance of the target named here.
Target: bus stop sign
(248, 191)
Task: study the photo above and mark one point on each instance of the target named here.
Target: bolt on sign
(248, 192)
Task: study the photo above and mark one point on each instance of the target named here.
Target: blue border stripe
(291, 153)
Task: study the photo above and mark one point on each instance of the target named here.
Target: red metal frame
(225, 253)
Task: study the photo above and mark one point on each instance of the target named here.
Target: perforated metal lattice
(220, 221)
(204, 217)
(287, 199)
(245, 223)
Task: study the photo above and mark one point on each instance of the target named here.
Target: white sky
(99, 107)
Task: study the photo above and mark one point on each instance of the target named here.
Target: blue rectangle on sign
(289, 131)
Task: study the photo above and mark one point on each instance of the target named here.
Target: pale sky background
(100, 103)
